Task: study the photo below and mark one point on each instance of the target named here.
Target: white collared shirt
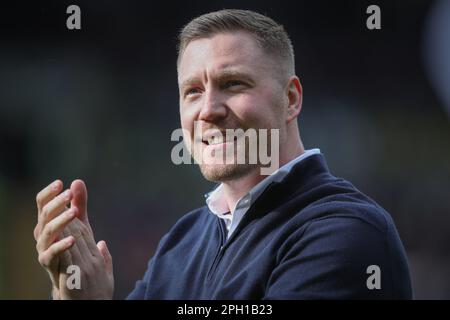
(217, 204)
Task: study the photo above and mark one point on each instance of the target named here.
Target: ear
(294, 94)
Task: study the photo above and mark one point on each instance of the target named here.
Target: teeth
(215, 140)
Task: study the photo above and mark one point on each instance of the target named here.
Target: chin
(225, 172)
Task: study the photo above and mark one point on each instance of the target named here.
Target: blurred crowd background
(100, 104)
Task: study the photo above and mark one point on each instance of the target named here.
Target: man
(299, 233)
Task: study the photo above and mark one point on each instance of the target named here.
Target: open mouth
(218, 140)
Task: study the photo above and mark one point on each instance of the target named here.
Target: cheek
(187, 119)
(274, 106)
(245, 109)
(187, 124)
(260, 110)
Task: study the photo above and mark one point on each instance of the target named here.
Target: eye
(233, 83)
(191, 91)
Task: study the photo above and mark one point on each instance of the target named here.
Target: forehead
(222, 51)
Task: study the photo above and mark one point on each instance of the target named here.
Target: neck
(237, 188)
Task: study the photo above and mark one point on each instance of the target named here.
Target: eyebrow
(188, 82)
(221, 75)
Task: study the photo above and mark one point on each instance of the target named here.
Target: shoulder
(338, 201)
(344, 213)
(344, 234)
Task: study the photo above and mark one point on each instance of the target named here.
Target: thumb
(79, 199)
(103, 248)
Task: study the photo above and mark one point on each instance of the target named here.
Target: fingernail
(67, 194)
(55, 185)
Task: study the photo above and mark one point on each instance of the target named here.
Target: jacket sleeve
(140, 288)
(329, 259)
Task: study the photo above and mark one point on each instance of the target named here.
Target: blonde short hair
(270, 36)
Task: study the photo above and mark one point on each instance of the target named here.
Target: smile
(217, 137)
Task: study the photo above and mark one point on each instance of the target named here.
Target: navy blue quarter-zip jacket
(310, 236)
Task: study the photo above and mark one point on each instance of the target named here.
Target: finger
(86, 241)
(103, 248)
(65, 258)
(47, 194)
(48, 211)
(80, 198)
(54, 228)
(75, 252)
(46, 258)
(54, 208)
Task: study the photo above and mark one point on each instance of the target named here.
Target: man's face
(228, 82)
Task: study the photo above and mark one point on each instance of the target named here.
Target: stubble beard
(225, 172)
(221, 172)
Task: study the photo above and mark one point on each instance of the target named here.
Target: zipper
(220, 250)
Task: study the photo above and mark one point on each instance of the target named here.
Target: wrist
(55, 294)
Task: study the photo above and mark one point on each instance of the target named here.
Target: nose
(214, 107)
